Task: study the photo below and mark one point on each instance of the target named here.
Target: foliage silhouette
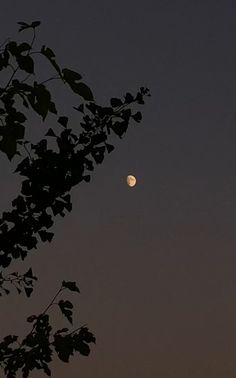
(36, 349)
(51, 167)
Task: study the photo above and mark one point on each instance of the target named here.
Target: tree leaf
(62, 330)
(46, 236)
(10, 339)
(24, 47)
(50, 132)
(40, 99)
(12, 47)
(63, 346)
(79, 108)
(71, 76)
(83, 348)
(31, 318)
(83, 90)
(129, 98)
(63, 121)
(70, 285)
(26, 63)
(28, 291)
(115, 102)
(10, 135)
(22, 23)
(120, 128)
(46, 51)
(24, 26)
(109, 147)
(35, 24)
(65, 307)
(137, 117)
(47, 370)
(29, 273)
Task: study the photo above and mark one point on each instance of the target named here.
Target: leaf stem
(50, 79)
(10, 80)
(52, 301)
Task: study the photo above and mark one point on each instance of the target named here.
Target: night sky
(156, 263)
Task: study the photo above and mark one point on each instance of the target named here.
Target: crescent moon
(131, 180)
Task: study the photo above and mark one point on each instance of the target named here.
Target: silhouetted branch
(49, 175)
(35, 351)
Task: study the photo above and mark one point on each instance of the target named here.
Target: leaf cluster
(49, 173)
(21, 282)
(20, 59)
(36, 349)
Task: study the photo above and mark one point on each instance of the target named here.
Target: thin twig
(51, 78)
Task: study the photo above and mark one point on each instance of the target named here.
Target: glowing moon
(131, 180)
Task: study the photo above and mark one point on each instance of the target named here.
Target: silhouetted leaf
(58, 207)
(10, 339)
(70, 285)
(109, 147)
(139, 98)
(63, 330)
(10, 135)
(52, 107)
(86, 178)
(63, 347)
(5, 261)
(31, 318)
(80, 108)
(35, 24)
(120, 128)
(28, 291)
(65, 307)
(51, 133)
(46, 51)
(125, 114)
(12, 47)
(24, 164)
(22, 23)
(40, 99)
(18, 290)
(46, 236)
(26, 63)
(115, 102)
(83, 90)
(129, 98)
(20, 204)
(87, 336)
(24, 47)
(29, 273)
(83, 348)
(23, 26)
(63, 121)
(70, 76)
(137, 117)
(47, 370)
(98, 154)
(105, 111)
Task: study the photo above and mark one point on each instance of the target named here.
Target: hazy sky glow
(156, 263)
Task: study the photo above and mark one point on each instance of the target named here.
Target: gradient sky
(155, 264)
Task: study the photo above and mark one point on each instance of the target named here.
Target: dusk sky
(155, 263)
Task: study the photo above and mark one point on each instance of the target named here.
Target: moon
(131, 180)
